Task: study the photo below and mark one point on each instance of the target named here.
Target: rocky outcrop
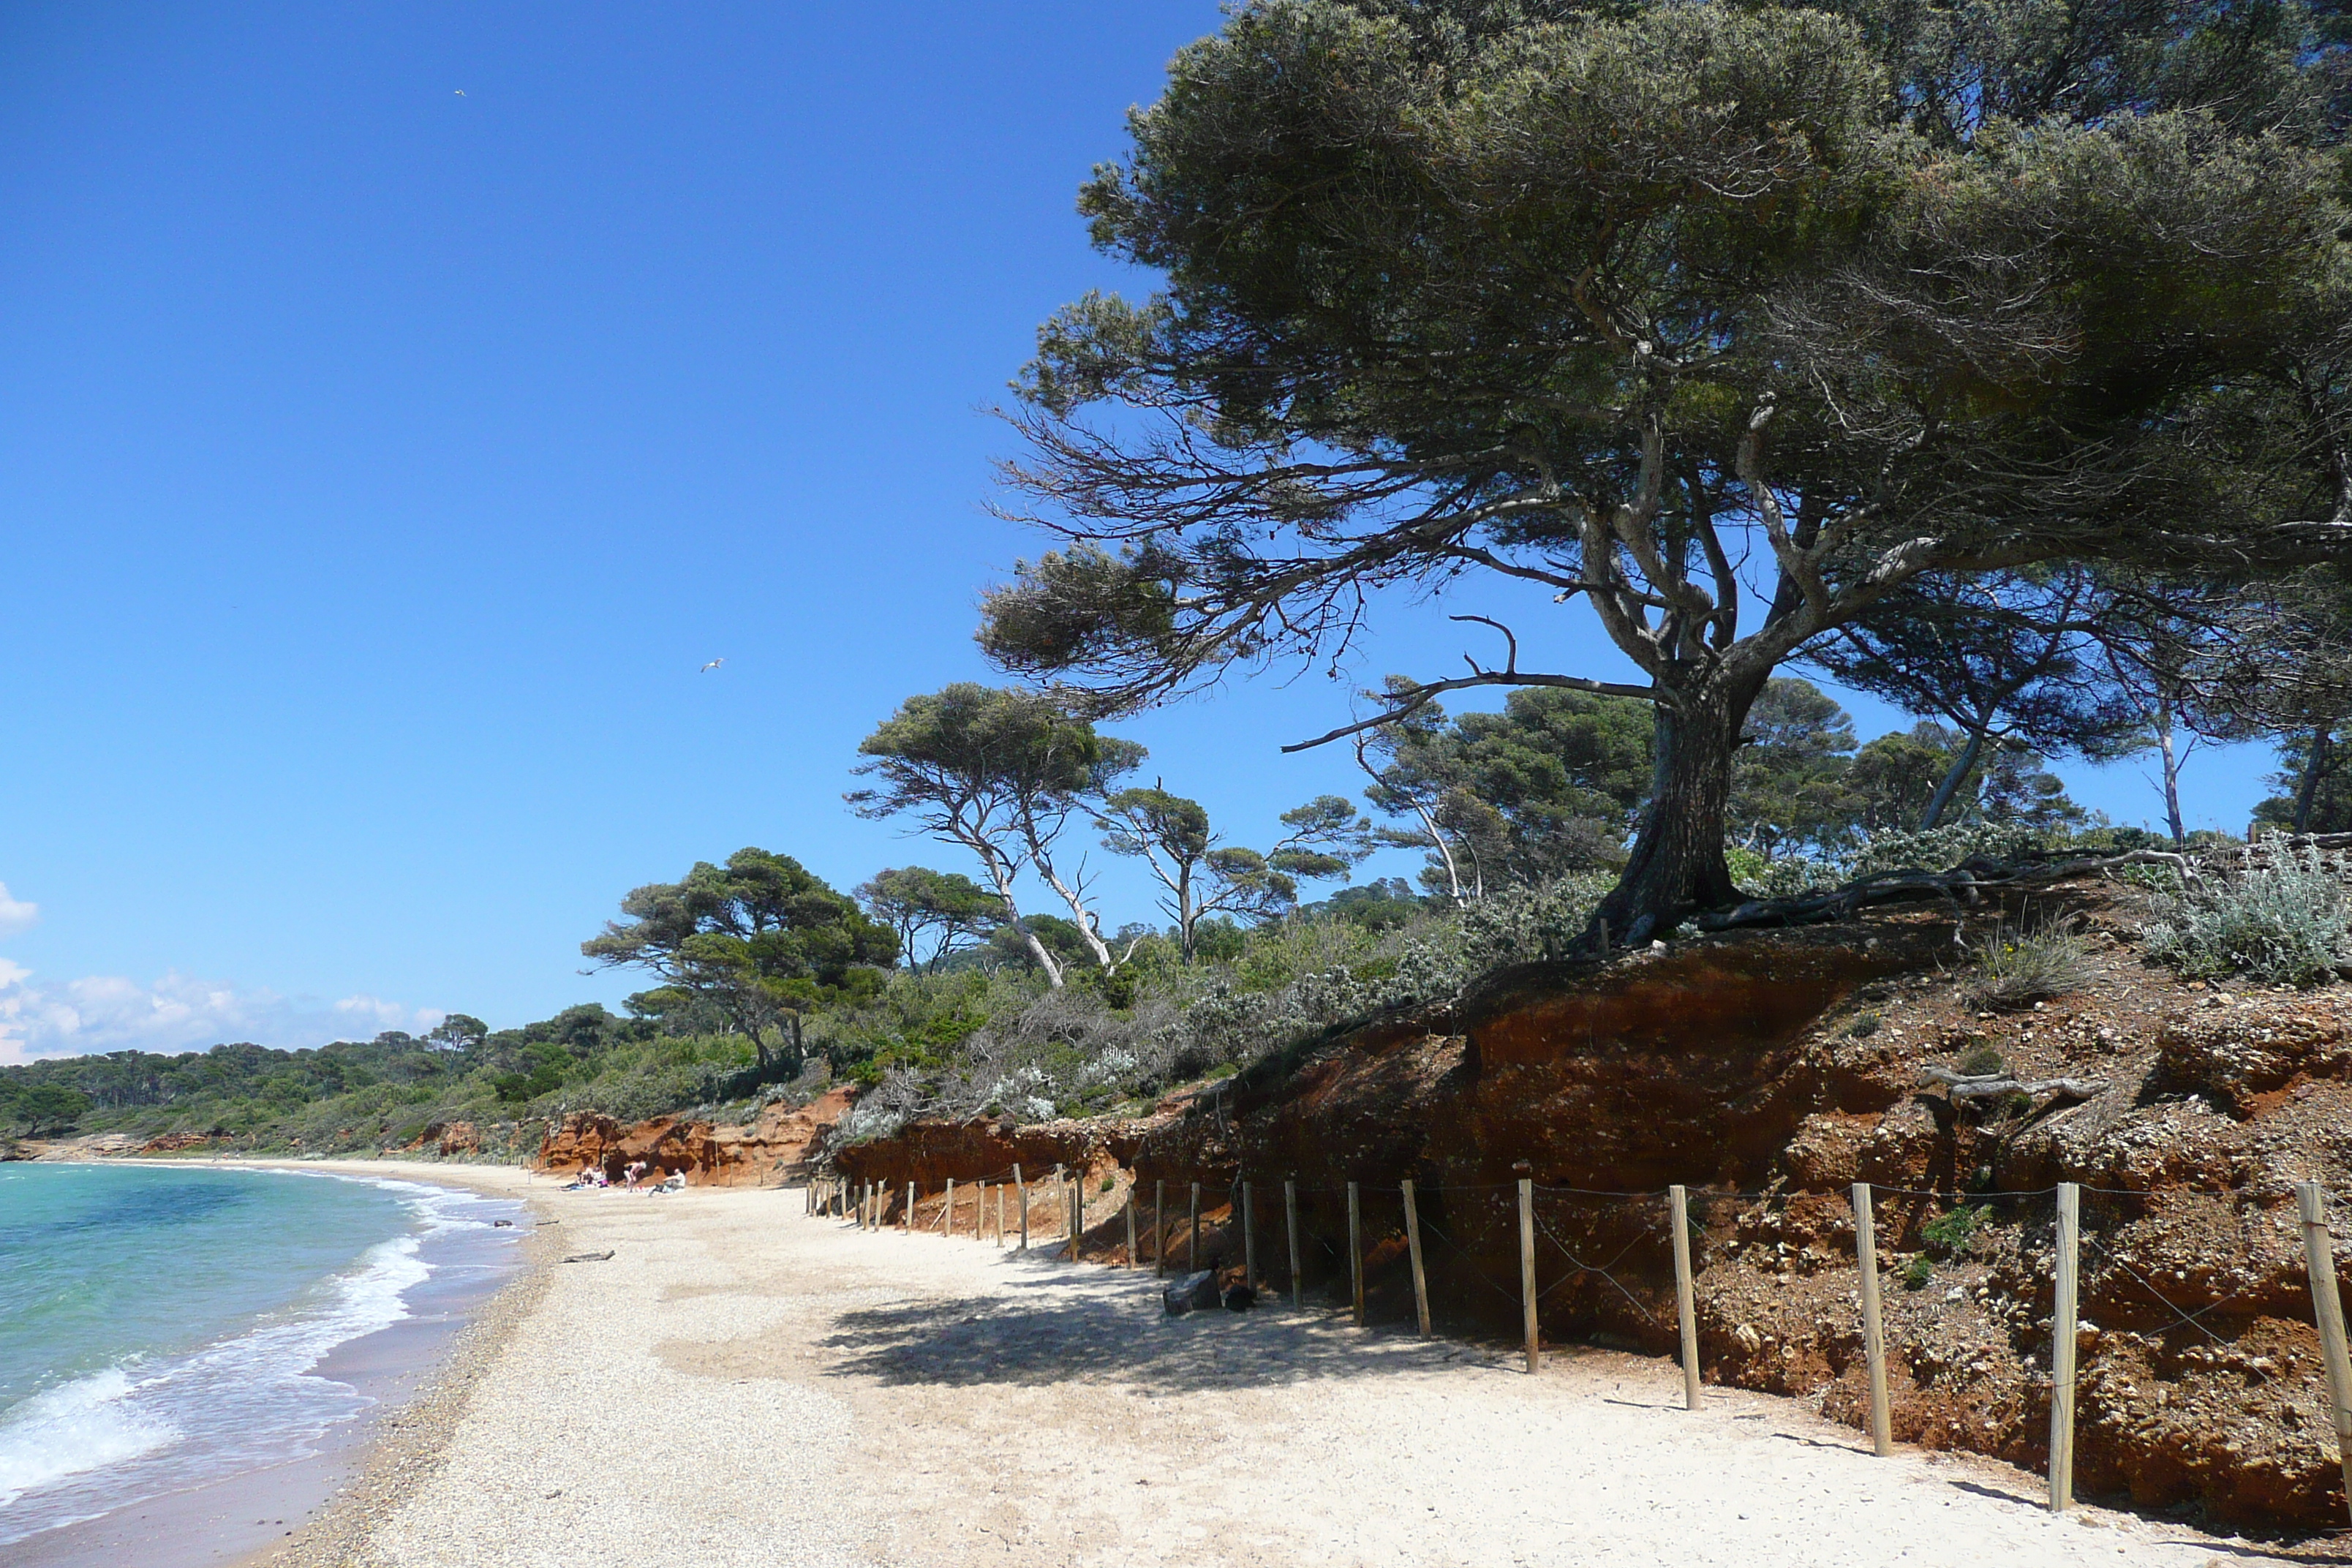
(766, 1152)
(1768, 1072)
(175, 1142)
(928, 1152)
(448, 1140)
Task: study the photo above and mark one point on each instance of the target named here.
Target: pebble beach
(741, 1383)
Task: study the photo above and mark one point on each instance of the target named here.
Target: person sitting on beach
(635, 1173)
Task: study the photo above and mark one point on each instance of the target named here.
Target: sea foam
(75, 1427)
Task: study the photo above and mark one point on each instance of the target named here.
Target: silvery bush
(2287, 922)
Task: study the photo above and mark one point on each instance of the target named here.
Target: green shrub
(1948, 1235)
(2286, 923)
(1983, 1061)
(1864, 1025)
(1918, 1272)
(2015, 968)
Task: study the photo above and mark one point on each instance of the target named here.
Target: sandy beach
(739, 1384)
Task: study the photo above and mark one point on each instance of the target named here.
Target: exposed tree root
(1963, 885)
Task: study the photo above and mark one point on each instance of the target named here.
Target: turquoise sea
(159, 1326)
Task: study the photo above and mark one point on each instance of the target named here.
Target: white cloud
(16, 914)
(177, 1013)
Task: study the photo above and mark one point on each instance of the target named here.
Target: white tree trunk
(1000, 872)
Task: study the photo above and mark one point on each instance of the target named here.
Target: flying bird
(707, 668)
(461, 92)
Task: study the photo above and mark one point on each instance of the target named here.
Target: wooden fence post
(1249, 1239)
(908, 1226)
(1413, 1244)
(1024, 1187)
(1874, 1324)
(2062, 1350)
(1290, 1209)
(1356, 1255)
(2328, 1314)
(1193, 1237)
(1685, 1306)
(1130, 1227)
(1078, 1191)
(947, 1214)
(1528, 1265)
(1160, 1229)
(1000, 1217)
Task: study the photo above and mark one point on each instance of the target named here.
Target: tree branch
(1423, 692)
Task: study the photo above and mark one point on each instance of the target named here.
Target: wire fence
(1933, 1266)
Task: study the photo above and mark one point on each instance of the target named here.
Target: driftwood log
(1989, 1086)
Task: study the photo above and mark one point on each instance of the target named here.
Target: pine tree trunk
(1961, 767)
(1677, 867)
(1000, 873)
(1188, 918)
(2171, 762)
(2315, 768)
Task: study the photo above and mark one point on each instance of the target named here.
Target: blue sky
(399, 405)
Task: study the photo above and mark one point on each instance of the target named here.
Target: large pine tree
(1723, 321)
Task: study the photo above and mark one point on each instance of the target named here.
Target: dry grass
(2016, 968)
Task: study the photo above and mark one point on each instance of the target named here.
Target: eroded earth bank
(1768, 1072)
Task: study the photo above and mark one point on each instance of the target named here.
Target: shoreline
(392, 1448)
(417, 1372)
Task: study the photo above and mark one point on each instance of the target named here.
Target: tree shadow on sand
(1062, 1328)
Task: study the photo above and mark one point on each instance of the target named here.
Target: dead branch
(1991, 1086)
